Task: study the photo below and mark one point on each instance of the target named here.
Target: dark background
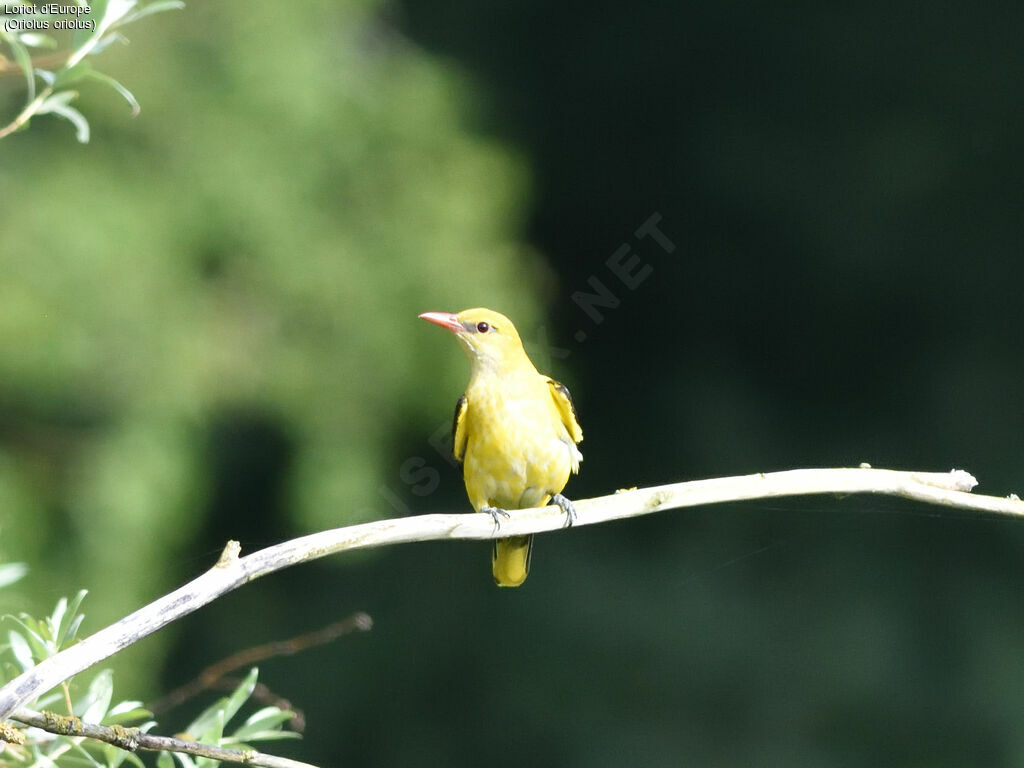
(842, 188)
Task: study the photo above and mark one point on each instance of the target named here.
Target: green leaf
(98, 9)
(11, 572)
(72, 631)
(240, 695)
(57, 104)
(42, 646)
(272, 735)
(281, 735)
(214, 730)
(158, 7)
(21, 650)
(106, 14)
(82, 36)
(73, 116)
(37, 40)
(206, 719)
(94, 75)
(113, 37)
(209, 725)
(57, 616)
(115, 757)
(126, 712)
(67, 626)
(81, 755)
(115, 11)
(68, 76)
(92, 708)
(211, 734)
(51, 700)
(265, 724)
(42, 760)
(21, 55)
(164, 760)
(41, 629)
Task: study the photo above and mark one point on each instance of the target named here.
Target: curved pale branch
(949, 489)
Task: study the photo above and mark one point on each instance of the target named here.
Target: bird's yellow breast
(518, 452)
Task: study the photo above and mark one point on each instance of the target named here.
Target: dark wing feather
(459, 430)
(566, 409)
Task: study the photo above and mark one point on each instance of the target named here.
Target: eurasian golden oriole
(515, 432)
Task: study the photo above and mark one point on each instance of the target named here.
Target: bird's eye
(483, 327)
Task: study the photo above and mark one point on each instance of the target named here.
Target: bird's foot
(496, 512)
(567, 507)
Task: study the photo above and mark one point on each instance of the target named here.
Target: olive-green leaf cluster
(30, 640)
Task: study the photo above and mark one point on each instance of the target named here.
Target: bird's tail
(510, 560)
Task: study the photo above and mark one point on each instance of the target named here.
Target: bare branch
(214, 673)
(949, 489)
(132, 739)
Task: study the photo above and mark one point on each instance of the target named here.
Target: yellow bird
(515, 432)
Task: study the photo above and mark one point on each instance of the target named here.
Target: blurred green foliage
(260, 239)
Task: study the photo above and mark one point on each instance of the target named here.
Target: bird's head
(489, 338)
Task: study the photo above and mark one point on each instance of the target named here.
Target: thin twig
(210, 676)
(132, 739)
(38, 62)
(946, 488)
(27, 113)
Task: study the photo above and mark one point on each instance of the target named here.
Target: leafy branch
(103, 735)
(264, 724)
(99, 28)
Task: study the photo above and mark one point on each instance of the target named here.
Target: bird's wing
(459, 435)
(563, 401)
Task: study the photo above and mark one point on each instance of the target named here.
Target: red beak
(444, 319)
